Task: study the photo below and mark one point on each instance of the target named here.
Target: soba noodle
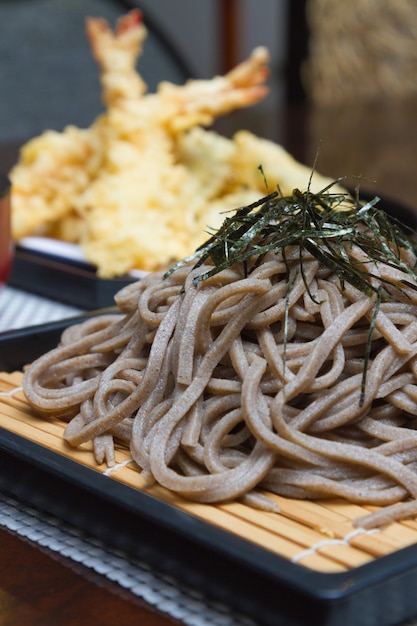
(249, 382)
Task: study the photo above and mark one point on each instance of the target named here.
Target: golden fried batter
(141, 185)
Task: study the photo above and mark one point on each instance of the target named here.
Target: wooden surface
(379, 142)
(37, 589)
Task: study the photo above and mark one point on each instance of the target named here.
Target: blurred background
(49, 78)
(343, 74)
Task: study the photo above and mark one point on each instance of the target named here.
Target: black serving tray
(66, 280)
(217, 563)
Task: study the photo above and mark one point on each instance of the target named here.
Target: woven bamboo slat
(319, 535)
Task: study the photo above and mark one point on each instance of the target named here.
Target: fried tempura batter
(141, 185)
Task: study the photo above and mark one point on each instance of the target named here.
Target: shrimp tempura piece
(142, 171)
(116, 54)
(199, 102)
(174, 107)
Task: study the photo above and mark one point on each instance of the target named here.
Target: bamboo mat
(318, 535)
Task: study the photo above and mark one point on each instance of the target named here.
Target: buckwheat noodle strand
(248, 383)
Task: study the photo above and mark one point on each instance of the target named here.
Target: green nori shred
(325, 224)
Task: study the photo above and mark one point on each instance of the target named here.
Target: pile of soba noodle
(251, 382)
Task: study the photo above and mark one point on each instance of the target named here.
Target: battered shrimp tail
(116, 53)
(199, 102)
(252, 72)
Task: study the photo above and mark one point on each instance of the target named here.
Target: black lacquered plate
(60, 278)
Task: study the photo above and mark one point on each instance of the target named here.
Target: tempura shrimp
(55, 169)
(199, 102)
(144, 184)
(116, 54)
(179, 107)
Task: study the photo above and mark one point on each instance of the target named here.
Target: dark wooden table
(39, 588)
(376, 141)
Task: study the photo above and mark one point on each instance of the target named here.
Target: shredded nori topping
(323, 223)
